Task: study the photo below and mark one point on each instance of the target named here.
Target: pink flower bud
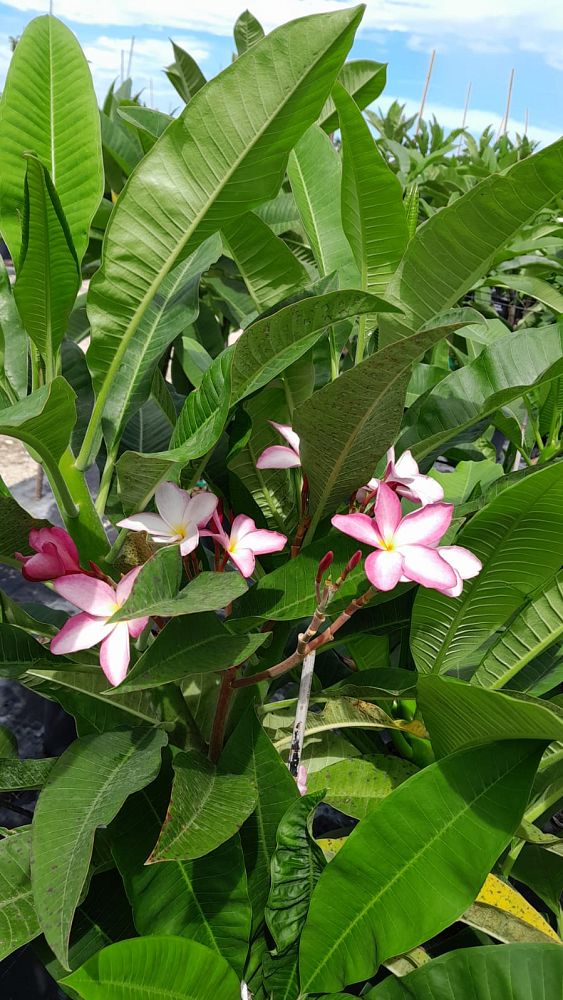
(56, 555)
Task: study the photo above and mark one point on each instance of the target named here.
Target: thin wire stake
(504, 123)
(301, 714)
(130, 55)
(526, 123)
(425, 91)
(465, 110)
(122, 65)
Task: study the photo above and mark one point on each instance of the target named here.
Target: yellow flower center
(232, 547)
(388, 545)
(180, 530)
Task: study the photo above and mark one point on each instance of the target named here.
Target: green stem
(334, 356)
(105, 482)
(361, 341)
(84, 525)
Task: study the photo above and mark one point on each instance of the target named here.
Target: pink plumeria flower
(406, 547)
(301, 779)
(180, 516)
(245, 541)
(56, 555)
(404, 478)
(277, 456)
(98, 602)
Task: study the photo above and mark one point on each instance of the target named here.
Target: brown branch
(222, 709)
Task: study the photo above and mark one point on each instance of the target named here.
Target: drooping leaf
(49, 106)
(207, 807)
(247, 32)
(542, 872)
(505, 915)
(184, 74)
(364, 80)
(48, 272)
(20, 774)
(13, 344)
(156, 967)
(338, 713)
(18, 920)
(193, 180)
(383, 894)
(44, 420)
(93, 778)
(208, 592)
(371, 684)
(519, 539)
(269, 269)
(356, 786)
(148, 121)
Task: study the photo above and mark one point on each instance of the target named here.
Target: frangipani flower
(404, 478)
(406, 547)
(98, 602)
(301, 779)
(277, 456)
(56, 555)
(246, 541)
(180, 516)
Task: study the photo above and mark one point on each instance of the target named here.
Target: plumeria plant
(302, 582)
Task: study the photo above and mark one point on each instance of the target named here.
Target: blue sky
(480, 41)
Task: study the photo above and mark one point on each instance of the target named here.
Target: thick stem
(222, 709)
(301, 714)
(105, 482)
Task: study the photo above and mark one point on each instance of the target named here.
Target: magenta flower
(246, 541)
(406, 547)
(277, 456)
(56, 555)
(404, 478)
(98, 602)
(180, 516)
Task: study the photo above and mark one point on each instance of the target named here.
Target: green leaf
(20, 652)
(216, 174)
(364, 80)
(530, 285)
(269, 345)
(44, 420)
(18, 921)
(469, 233)
(338, 713)
(148, 122)
(356, 786)
(460, 715)
(374, 683)
(501, 373)
(534, 629)
(519, 539)
(48, 273)
(93, 778)
(315, 173)
(208, 592)
(8, 744)
(518, 971)
(542, 872)
(184, 74)
(49, 106)
(250, 753)
(267, 266)
(190, 646)
(180, 897)
(13, 343)
(204, 414)
(247, 32)
(15, 525)
(348, 425)
(121, 144)
(373, 215)
(123, 372)
(297, 864)
(476, 796)
(207, 807)
(21, 774)
(460, 484)
(156, 967)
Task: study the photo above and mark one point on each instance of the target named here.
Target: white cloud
(150, 55)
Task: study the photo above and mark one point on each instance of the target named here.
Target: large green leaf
(121, 144)
(225, 154)
(250, 753)
(207, 807)
(20, 652)
(18, 921)
(21, 774)
(542, 871)
(405, 889)
(501, 373)
(356, 786)
(315, 173)
(48, 273)
(458, 245)
(190, 646)
(44, 420)
(208, 592)
(519, 539)
(49, 107)
(364, 80)
(348, 425)
(155, 967)
(518, 971)
(204, 414)
(373, 214)
(269, 269)
(460, 715)
(537, 626)
(13, 343)
(92, 778)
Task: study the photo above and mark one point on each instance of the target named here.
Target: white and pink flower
(406, 548)
(179, 519)
(403, 477)
(98, 602)
(245, 541)
(278, 456)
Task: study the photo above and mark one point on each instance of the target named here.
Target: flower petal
(384, 568)
(244, 561)
(462, 560)
(262, 541)
(91, 595)
(67, 548)
(45, 565)
(152, 523)
(136, 626)
(278, 457)
(358, 526)
(80, 632)
(387, 512)
(115, 654)
(425, 526)
(190, 540)
(125, 585)
(405, 466)
(422, 488)
(171, 503)
(288, 433)
(200, 509)
(426, 566)
(241, 526)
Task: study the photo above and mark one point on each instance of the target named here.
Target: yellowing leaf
(504, 914)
